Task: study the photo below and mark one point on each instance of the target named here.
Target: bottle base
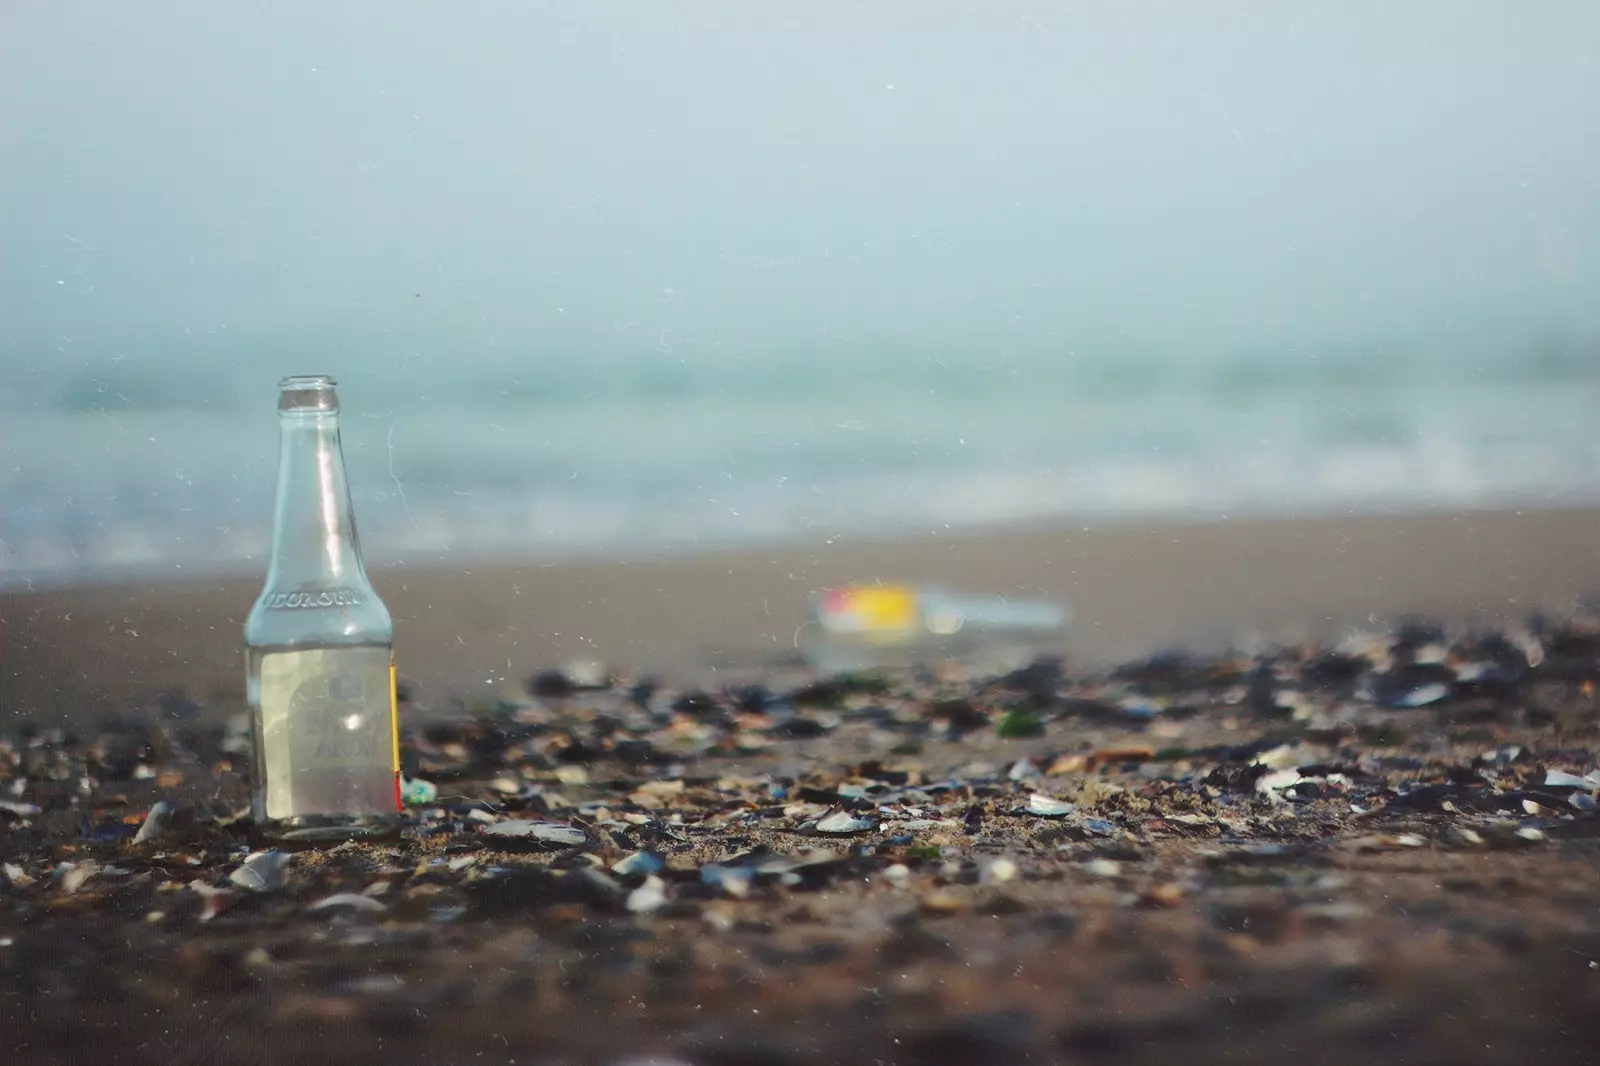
(322, 830)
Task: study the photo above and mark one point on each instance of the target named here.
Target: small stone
(842, 822)
(639, 863)
(1166, 894)
(549, 684)
(1462, 837)
(999, 872)
(572, 775)
(1421, 696)
(940, 902)
(76, 875)
(155, 823)
(898, 875)
(658, 793)
(734, 880)
(648, 897)
(265, 871)
(1102, 868)
(1049, 807)
(16, 876)
(597, 887)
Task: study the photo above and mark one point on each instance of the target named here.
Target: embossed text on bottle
(339, 597)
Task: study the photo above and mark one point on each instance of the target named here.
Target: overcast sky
(738, 172)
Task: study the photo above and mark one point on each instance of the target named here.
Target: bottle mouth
(307, 392)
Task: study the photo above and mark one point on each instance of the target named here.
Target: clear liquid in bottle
(319, 650)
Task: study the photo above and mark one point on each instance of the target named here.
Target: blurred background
(607, 278)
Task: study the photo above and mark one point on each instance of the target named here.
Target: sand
(480, 630)
(1301, 857)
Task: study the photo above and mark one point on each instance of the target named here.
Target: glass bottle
(319, 649)
(862, 627)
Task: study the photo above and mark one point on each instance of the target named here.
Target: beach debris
(1386, 841)
(842, 822)
(74, 875)
(859, 627)
(1277, 781)
(19, 810)
(638, 864)
(923, 810)
(213, 900)
(1048, 806)
(648, 897)
(354, 902)
(155, 823)
(1420, 696)
(1106, 868)
(264, 871)
(417, 793)
(1561, 779)
(555, 834)
(732, 880)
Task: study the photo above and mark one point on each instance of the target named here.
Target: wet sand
(482, 629)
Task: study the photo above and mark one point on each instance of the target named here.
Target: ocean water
(132, 465)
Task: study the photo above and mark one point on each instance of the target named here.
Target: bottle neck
(314, 540)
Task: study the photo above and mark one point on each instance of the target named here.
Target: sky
(183, 181)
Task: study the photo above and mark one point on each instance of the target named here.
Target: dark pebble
(550, 684)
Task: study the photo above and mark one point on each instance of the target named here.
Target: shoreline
(479, 629)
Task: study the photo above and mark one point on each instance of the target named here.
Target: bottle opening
(307, 392)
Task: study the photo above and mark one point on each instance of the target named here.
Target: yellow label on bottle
(870, 609)
(328, 731)
(394, 712)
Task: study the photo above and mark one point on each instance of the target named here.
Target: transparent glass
(319, 648)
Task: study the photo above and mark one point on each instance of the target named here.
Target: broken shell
(844, 822)
(640, 862)
(648, 897)
(555, 833)
(1049, 807)
(265, 871)
(155, 823)
(351, 900)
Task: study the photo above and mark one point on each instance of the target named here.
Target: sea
(133, 465)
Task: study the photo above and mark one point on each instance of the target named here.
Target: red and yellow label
(869, 609)
(394, 728)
